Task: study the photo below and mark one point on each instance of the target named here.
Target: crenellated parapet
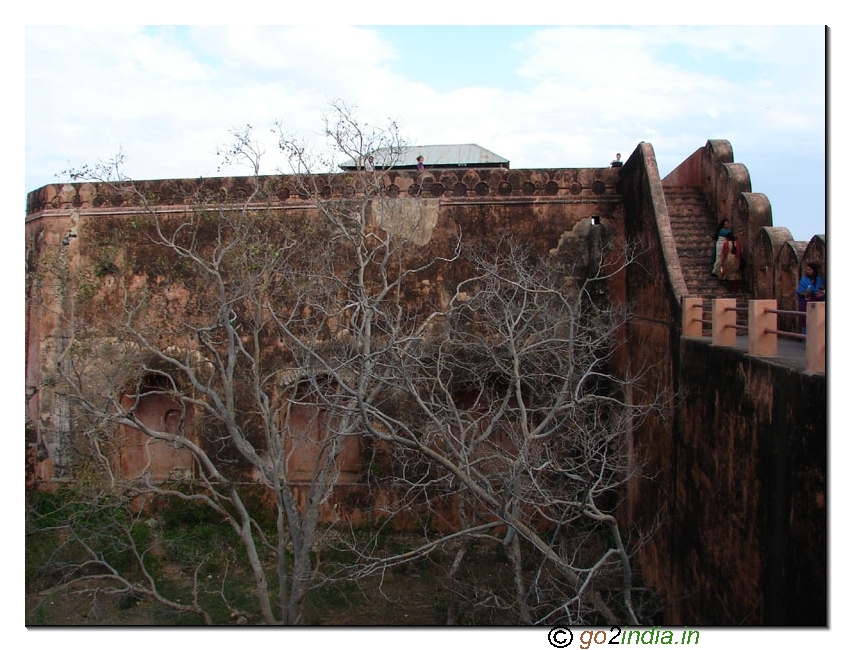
(585, 184)
(766, 249)
(774, 262)
(815, 251)
(752, 213)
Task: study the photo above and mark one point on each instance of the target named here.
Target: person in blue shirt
(811, 288)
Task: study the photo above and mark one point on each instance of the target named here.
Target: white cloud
(577, 95)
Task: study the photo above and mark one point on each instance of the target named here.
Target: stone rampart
(726, 466)
(747, 492)
(584, 185)
(733, 488)
(105, 230)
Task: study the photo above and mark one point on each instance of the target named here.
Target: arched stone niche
(449, 179)
(86, 193)
(307, 428)
(471, 178)
(138, 455)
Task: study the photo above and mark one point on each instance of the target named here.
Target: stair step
(693, 224)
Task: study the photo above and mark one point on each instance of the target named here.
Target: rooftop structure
(444, 156)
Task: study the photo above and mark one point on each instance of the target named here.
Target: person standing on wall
(420, 164)
(617, 162)
(723, 231)
(730, 262)
(810, 289)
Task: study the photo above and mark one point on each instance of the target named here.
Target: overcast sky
(539, 96)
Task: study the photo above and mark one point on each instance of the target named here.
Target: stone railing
(761, 328)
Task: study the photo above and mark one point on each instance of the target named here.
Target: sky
(168, 97)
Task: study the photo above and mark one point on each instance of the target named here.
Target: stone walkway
(791, 353)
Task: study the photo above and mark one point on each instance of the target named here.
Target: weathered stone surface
(737, 492)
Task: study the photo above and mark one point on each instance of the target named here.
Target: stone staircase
(693, 224)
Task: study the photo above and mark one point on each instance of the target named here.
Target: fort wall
(736, 464)
(104, 237)
(747, 492)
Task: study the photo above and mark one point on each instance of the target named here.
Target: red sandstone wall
(90, 227)
(736, 480)
(748, 493)
(688, 173)
(651, 334)
(686, 464)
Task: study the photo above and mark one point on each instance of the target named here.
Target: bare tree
(190, 369)
(504, 400)
(270, 351)
(510, 409)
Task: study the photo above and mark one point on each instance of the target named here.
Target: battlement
(573, 185)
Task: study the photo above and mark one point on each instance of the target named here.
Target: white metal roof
(435, 155)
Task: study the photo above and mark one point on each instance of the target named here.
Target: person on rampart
(617, 162)
(420, 164)
(724, 229)
(730, 262)
(811, 288)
